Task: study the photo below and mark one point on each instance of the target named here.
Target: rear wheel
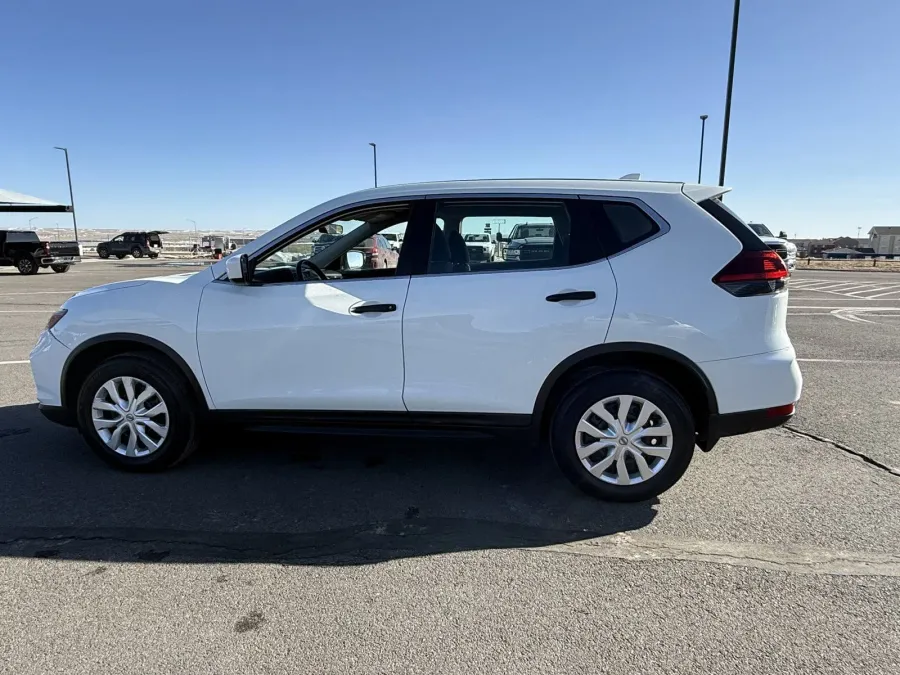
(137, 252)
(60, 269)
(103, 252)
(623, 435)
(27, 265)
(138, 413)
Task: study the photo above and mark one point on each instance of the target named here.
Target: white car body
(460, 346)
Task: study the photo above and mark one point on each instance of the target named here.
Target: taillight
(753, 273)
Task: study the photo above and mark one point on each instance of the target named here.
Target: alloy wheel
(130, 416)
(623, 440)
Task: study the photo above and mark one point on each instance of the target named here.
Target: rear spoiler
(698, 193)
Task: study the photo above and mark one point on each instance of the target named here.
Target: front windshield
(761, 230)
(310, 244)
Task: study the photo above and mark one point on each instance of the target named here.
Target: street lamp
(703, 119)
(734, 34)
(29, 221)
(375, 161)
(71, 195)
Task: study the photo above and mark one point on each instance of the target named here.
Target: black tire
(153, 256)
(103, 252)
(137, 252)
(27, 265)
(120, 256)
(607, 383)
(173, 388)
(60, 269)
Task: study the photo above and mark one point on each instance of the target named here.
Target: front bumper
(48, 358)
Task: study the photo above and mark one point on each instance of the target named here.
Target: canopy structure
(14, 202)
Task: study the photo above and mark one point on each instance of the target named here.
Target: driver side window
(345, 247)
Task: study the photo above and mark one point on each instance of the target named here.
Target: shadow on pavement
(288, 499)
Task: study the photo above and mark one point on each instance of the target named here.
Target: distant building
(885, 240)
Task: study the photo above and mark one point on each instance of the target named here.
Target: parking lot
(778, 551)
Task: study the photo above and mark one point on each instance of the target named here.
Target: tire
(137, 253)
(153, 256)
(60, 269)
(103, 252)
(604, 483)
(27, 265)
(181, 417)
(120, 256)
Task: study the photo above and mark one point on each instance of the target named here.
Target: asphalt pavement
(778, 551)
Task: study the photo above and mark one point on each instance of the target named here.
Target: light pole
(375, 161)
(29, 221)
(71, 194)
(702, 136)
(734, 34)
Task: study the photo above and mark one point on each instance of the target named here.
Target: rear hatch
(154, 240)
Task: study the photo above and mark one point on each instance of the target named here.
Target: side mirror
(499, 237)
(237, 268)
(355, 260)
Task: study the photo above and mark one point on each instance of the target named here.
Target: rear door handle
(572, 295)
(375, 308)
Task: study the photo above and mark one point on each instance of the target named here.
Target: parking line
(862, 361)
(11, 363)
(881, 295)
(872, 290)
(41, 293)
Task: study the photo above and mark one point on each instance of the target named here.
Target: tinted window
(629, 223)
(22, 238)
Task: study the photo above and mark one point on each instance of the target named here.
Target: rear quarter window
(619, 225)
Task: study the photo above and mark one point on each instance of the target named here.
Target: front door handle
(366, 309)
(572, 295)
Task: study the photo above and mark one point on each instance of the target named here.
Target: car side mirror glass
(355, 260)
(499, 237)
(237, 268)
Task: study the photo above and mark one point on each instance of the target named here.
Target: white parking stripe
(863, 361)
(41, 293)
(11, 363)
(872, 290)
(881, 295)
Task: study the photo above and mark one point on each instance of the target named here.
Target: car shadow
(288, 499)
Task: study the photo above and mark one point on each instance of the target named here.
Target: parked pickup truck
(26, 251)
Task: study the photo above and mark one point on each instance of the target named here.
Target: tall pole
(702, 136)
(35, 218)
(71, 194)
(375, 161)
(734, 34)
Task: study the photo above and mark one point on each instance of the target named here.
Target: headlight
(512, 252)
(56, 317)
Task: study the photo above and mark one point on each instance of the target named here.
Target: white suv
(653, 321)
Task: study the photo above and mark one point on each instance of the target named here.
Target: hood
(532, 240)
(118, 285)
(769, 241)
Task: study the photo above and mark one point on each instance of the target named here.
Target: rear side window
(619, 225)
(22, 238)
(730, 221)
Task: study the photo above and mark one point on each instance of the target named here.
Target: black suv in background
(136, 244)
(25, 250)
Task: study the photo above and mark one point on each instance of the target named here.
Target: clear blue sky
(243, 114)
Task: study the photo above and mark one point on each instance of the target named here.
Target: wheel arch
(675, 368)
(95, 350)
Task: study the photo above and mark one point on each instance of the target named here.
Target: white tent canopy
(15, 202)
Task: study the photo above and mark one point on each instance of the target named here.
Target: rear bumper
(757, 382)
(60, 259)
(735, 424)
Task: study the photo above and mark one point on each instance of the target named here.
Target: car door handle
(572, 295)
(366, 309)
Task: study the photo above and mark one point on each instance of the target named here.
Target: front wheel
(103, 252)
(136, 252)
(623, 435)
(60, 269)
(137, 413)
